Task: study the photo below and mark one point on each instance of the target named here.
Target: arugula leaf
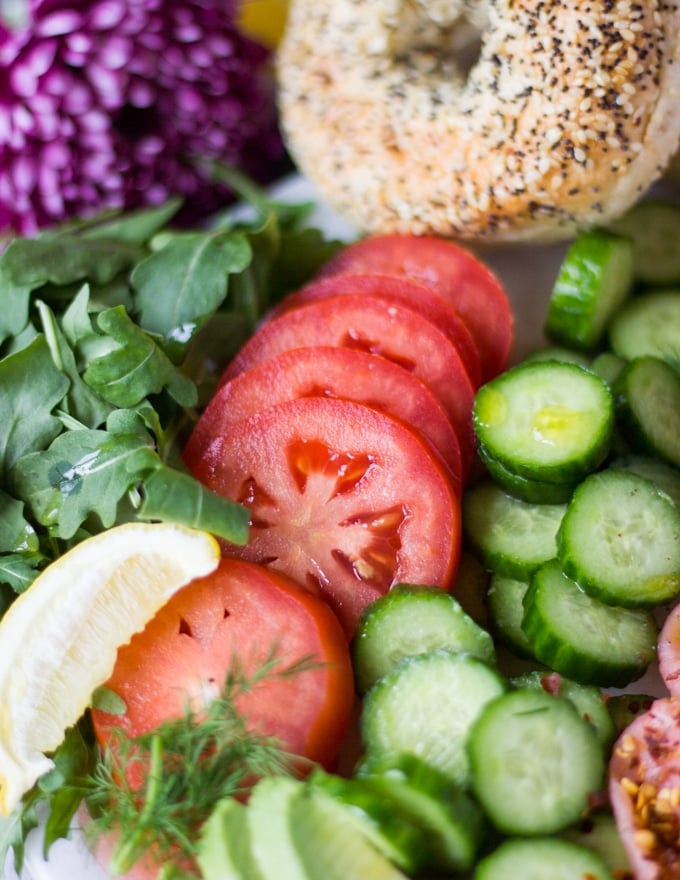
(18, 572)
(82, 473)
(133, 227)
(16, 300)
(65, 258)
(81, 401)
(136, 368)
(14, 830)
(172, 495)
(74, 759)
(16, 533)
(182, 284)
(30, 387)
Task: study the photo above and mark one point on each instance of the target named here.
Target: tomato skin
(648, 754)
(243, 611)
(329, 371)
(454, 272)
(388, 330)
(403, 291)
(344, 499)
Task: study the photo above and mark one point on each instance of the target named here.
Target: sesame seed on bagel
(568, 113)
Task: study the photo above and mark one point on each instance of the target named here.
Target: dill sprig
(151, 793)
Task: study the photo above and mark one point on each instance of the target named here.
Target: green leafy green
(193, 505)
(114, 331)
(138, 366)
(30, 387)
(181, 285)
(82, 473)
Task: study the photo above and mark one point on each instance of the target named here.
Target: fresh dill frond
(150, 794)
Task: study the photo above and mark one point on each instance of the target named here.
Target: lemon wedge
(58, 640)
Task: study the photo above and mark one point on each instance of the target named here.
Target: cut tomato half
(346, 500)
(404, 291)
(372, 325)
(240, 615)
(644, 780)
(455, 273)
(326, 371)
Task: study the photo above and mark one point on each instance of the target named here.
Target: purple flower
(108, 103)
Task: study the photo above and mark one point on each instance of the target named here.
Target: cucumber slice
(269, 827)
(666, 477)
(654, 228)
(451, 821)
(559, 353)
(533, 491)
(470, 588)
(648, 407)
(608, 366)
(625, 708)
(542, 858)
(620, 540)
(587, 699)
(535, 762)
(506, 610)
(583, 638)
(547, 420)
(595, 278)
(647, 325)
(512, 537)
(410, 620)
(426, 705)
(224, 851)
(325, 834)
(383, 825)
(598, 832)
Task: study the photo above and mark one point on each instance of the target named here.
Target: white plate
(528, 273)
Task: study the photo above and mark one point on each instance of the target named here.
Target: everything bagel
(570, 111)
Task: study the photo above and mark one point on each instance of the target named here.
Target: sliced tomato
(369, 324)
(403, 291)
(328, 371)
(344, 499)
(644, 780)
(455, 273)
(240, 613)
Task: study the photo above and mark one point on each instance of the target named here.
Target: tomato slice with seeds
(329, 371)
(344, 499)
(372, 325)
(454, 272)
(644, 790)
(241, 613)
(403, 291)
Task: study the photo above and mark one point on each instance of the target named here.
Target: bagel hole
(466, 46)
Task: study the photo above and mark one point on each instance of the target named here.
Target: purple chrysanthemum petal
(108, 103)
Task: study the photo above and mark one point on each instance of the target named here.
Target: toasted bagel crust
(570, 112)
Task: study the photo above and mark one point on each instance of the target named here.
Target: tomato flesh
(369, 324)
(344, 499)
(455, 273)
(327, 371)
(406, 292)
(241, 612)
